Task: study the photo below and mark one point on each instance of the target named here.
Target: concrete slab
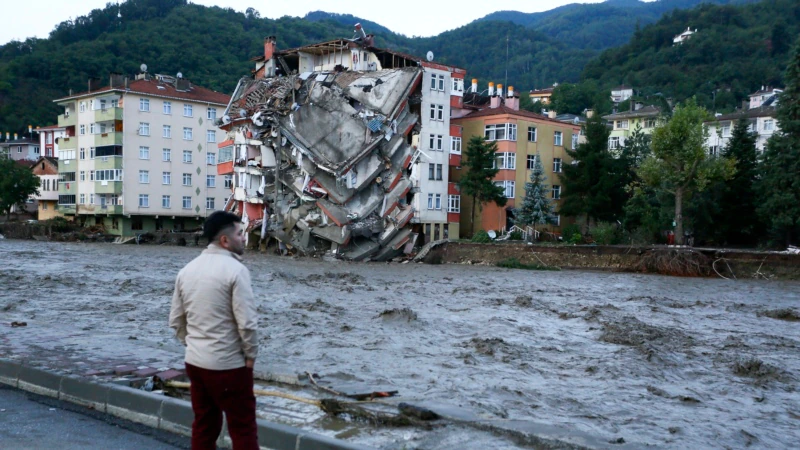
(176, 416)
(39, 382)
(277, 436)
(84, 393)
(134, 405)
(9, 372)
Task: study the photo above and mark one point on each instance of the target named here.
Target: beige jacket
(213, 311)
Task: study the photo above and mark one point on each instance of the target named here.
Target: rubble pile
(324, 159)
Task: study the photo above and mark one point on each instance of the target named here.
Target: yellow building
(625, 122)
(520, 136)
(542, 95)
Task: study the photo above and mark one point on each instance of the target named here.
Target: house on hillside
(625, 122)
(21, 149)
(621, 93)
(759, 112)
(685, 36)
(520, 136)
(140, 155)
(46, 168)
(542, 95)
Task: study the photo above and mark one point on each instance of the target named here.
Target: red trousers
(217, 391)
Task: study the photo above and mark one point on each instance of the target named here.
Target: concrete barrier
(157, 411)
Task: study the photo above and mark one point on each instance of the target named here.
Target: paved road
(30, 421)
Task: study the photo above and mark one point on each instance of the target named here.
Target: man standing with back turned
(214, 315)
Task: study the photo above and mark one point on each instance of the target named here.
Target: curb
(153, 410)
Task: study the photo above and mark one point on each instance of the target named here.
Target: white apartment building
(140, 156)
(48, 139)
(760, 116)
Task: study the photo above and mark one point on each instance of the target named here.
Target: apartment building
(624, 123)
(520, 136)
(48, 139)
(759, 111)
(140, 155)
(362, 151)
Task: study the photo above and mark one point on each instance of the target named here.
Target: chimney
(360, 30)
(510, 92)
(589, 113)
(15, 136)
(474, 85)
(94, 84)
(499, 89)
(269, 47)
(491, 89)
(745, 105)
(116, 80)
(638, 106)
(551, 114)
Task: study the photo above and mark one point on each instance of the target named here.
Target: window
(187, 110)
(65, 155)
(438, 201)
(83, 175)
(352, 179)
(439, 170)
(441, 83)
(211, 136)
(144, 129)
(83, 106)
(621, 124)
(226, 154)
(505, 160)
(166, 178)
(83, 153)
(228, 181)
(67, 177)
(613, 143)
(531, 162)
(166, 154)
(209, 202)
(431, 171)
(92, 152)
(187, 133)
(455, 145)
(508, 187)
(500, 132)
(167, 108)
(211, 181)
(83, 129)
(144, 201)
(556, 192)
(187, 179)
(92, 128)
(574, 141)
(457, 85)
(650, 123)
(558, 220)
(211, 113)
(556, 165)
(713, 150)
(437, 112)
(187, 156)
(108, 175)
(91, 175)
(165, 201)
(144, 152)
(144, 176)
(430, 201)
(211, 158)
(531, 134)
(435, 142)
(187, 202)
(454, 203)
(91, 199)
(83, 199)
(558, 138)
(433, 81)
(769, 125)
(726, 130)
(167, 131)
(144, 104)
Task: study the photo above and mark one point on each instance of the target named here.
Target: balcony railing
(107, 114)
(108, 187)
(68, 143)
(67, 120)
(110, 138)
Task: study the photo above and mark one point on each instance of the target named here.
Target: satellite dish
(179, 75)
(492, 234)
(143, 67)
(429, 55)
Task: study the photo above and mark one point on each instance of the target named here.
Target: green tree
(537, 208)
(592, 185)
(477, 180)
(17, 183)
(779, 186)
(679, 163)
(739, 222)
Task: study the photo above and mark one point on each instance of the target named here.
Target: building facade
(759, 111)
(621, 93)
(46, 168)
(520, 136)
(625, 123)
(48, 139)
(21, 149)
(140, 155)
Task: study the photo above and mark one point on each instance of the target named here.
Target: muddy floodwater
(632, 360)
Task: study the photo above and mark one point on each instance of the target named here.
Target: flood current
(631, 360)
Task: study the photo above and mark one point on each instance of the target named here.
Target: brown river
(619, 360)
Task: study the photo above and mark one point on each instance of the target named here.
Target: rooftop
(647, 111)
(158, 87)
(503, 109)
(763, 111)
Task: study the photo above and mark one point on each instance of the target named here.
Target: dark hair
(217, 222)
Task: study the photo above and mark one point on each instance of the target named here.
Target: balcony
(108, 187)
(99, 209)
(68, 143)
(107, 162)
(66, 209)
(67, 120)
(107, 114)
(67, 187)
(110, 138)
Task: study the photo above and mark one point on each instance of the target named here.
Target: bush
(570, 230)
(605, 233)
(481, 237)
(515, 236)
(575, 239)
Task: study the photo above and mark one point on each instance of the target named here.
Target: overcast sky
(36, 18)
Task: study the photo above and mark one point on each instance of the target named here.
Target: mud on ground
(650, 360)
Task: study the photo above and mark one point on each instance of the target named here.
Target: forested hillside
(735, 50)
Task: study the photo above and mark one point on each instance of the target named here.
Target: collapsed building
(323, 149)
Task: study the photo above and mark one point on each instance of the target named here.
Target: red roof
(503, 109)
(49, 127)
(158, 88)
